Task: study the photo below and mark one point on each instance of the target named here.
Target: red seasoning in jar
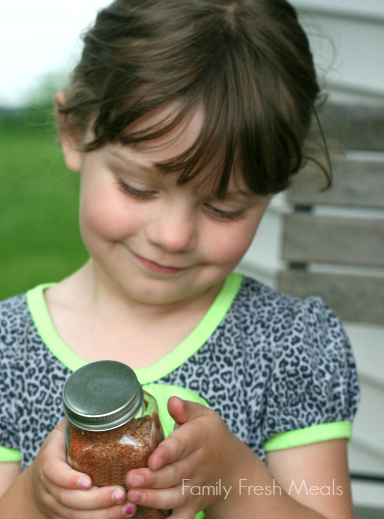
(113, 425)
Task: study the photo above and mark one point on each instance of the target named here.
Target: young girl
(184, 118)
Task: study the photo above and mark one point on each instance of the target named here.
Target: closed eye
(136, 193)
(225, 215)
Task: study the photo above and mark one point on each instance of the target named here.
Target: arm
(16, 500)
(50, 489)
(314, 481)
(203, 451)
(8, 473)
(323, 467)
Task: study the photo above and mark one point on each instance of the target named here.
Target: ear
(70, 139)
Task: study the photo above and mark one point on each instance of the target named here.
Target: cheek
(102, 215)
(234, 242)
(229, 247)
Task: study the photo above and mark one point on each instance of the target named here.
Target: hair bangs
(212, 155)
(244, 128)
(248, 65)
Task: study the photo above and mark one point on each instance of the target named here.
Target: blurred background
(39, 237)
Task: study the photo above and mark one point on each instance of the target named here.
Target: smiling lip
(155, 267)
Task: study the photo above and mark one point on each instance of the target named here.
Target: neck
(90, 288)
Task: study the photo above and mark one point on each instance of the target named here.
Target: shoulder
(286, 326)
(262, 296)
(13, 305)
(269, 307)
(13, 323)
(300, 363)
(261, 299)
(14, 316)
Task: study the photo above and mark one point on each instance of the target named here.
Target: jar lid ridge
(102, 395)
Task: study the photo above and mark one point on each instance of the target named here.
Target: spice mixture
(107, 456)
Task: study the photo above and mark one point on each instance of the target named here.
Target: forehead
(144, 164)
(180, 138)
(147, 155)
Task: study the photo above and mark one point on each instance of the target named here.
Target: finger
(163, 499)
(54, 464)
(180, 443)
(167, 477)
(177, 446)
(94, 499)
(129, 509)
(184, 410)
(56, 470)
(119, 511)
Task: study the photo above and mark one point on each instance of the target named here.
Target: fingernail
(135, 481)
(118, 495)
(84, 482)
(185, 405)
(136, 496)
(158, 464)
(127, 510)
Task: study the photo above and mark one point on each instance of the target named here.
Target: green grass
(39, 236)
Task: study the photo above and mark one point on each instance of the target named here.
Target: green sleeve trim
(308, 435)
(164, 366)
(9, 455)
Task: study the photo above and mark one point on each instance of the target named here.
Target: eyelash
(226, 215)
(137, 193)
(218, 213)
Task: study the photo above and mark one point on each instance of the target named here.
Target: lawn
(39, 237)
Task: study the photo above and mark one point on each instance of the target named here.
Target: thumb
(185, 410)
(61, 425)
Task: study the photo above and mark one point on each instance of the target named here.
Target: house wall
(347, 39)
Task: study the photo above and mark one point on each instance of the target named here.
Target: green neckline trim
(171, 361)
(308, 435)
(8, 455)
(42, 319)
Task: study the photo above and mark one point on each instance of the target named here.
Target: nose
(173, 228)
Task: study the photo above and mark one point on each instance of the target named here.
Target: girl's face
(157, 242)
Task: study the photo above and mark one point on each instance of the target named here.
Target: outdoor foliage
(39, 236)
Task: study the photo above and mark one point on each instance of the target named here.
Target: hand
(61, 492)
(200, 452)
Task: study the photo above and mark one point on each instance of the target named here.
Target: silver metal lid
(102, 395)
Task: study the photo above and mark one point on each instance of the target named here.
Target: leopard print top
(274, 364)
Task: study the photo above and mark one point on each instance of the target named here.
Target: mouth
(156, 267)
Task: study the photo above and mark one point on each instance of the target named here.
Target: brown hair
(246, 62)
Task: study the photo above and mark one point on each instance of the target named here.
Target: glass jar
(112, 427)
